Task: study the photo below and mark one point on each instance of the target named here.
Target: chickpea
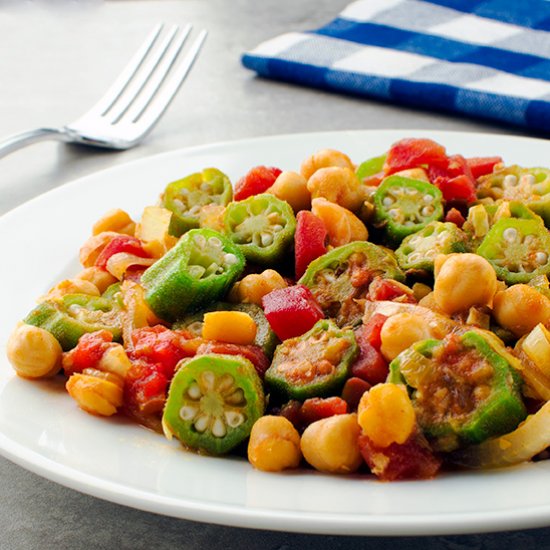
(323, 159)
(274, 444)
(252, 288)
(101, 278)
(400, 331)
(96, 392)
(520, 308)
(338, 185)
(92, 248)
(331, 444)
(292, 188)
(114, 220)
(34, 352)
(463, 281)
(386, 414)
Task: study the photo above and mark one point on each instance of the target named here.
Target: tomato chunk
(253, 353)
(410, 460)
(481, 166)
(370, 365)
(291, 311)
(309, 240)
(414, 152)
(353, 390)
(455, 216)
(257, 180)
(88, 352)
(316, 408)
(123, 243)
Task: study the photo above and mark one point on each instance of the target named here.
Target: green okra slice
(73, 315)
(213, 402)
(197, 271)
(370, 167)
(462, 389)
(518, 249)
(315, 364)
(340, 279)
(404, 206)
(262, 226)
(530, 186)
(185, 197)
(417, 252)
(265, 337)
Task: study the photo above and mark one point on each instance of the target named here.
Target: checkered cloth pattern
(482, 58)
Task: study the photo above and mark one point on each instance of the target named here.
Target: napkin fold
(483, 58)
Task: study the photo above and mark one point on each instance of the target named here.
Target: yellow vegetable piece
(94, 394)
(274, 444)
(233, 327)
(114, 220)
(386, 414)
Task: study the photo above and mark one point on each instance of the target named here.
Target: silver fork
(135, 101)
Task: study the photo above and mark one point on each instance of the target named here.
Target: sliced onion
(117, 264)
(531, 438)
(537, 347)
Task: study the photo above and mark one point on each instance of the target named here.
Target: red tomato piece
(370, 365)
(309, 240)
(388, 289)
(161, 346)
(455, 216)
(459, 188)
(257, 180)
(316, 408)
(145, 389)
(414, 152)
(353, 390)
(253, 353)
(481, 166)
(291, 311)
(291, 411)
(88, 352)
(410, 460)
(122, 243)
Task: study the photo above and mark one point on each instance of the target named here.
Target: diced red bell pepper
(291, 311)
(412, 153)
(257, 180)
(316, 408)
(122, 243)
(253, 353)
(88, 352)
(161, 346)
(370, 365)
(481, 166)
(309, 240)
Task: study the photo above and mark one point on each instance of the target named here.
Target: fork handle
(18, 141)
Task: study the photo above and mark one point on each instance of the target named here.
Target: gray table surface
(56, 59)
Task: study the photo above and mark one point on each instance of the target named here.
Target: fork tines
(150, 80)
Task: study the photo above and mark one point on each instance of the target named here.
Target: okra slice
(518, 249)
(212, 403)
(73, 315)
(462, 389)
(528, 185)
(262, 226)
(265, 337)
(404, 206)
(418, 251)
(340, 279)
(185, 198)
(315, 364)
(199, 270)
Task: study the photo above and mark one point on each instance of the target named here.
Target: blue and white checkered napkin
(483, 58)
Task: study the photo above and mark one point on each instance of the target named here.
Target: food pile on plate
(389, 317)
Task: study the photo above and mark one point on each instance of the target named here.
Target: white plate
(42, 429)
